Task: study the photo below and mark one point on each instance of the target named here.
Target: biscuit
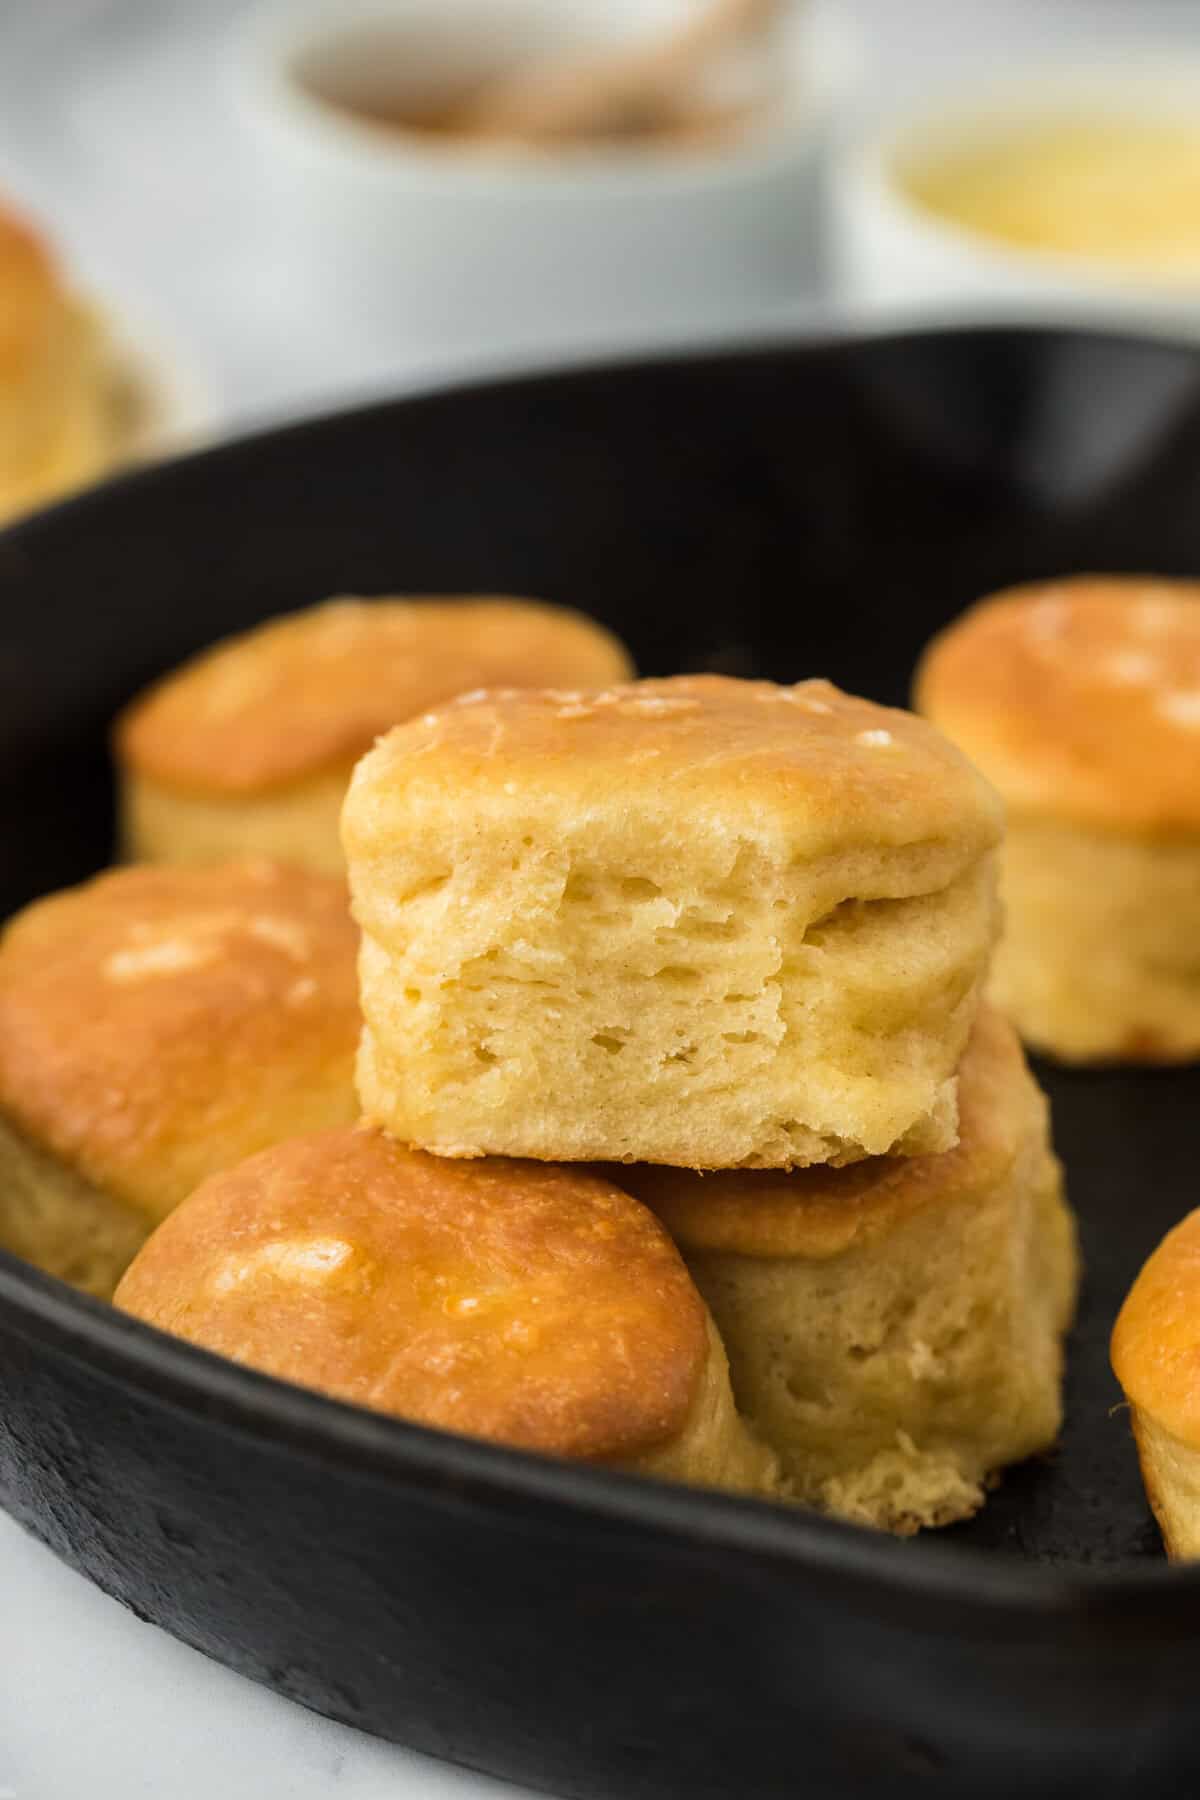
(157, 1025)
(535, 1306)
(248, 748)
(1080, 700)
(894, 1329)
(700, 921)
(58, 419)
(1155, 1354)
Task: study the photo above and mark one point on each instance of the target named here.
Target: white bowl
(422, 246)
(897, 261)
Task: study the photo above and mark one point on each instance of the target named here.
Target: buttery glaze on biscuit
(826, 771)
(1080, 699)
(250, 745)
(316, 688)
(536, 1306)
(157, 1024)
(695, 921)
(894, 1329)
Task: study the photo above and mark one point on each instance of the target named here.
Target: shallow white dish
(898, 261)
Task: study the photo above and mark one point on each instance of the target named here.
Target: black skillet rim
(1144, 1600)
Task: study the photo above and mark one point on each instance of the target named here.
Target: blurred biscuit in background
(247, 749)
(61, 422)
(156, 1025)
(1080, 700)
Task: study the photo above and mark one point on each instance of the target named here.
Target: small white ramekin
(428, 247)
(895, 261)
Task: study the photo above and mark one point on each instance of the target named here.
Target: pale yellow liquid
(1119, 191)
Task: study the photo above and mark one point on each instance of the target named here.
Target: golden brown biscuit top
(819, 768)
(1156, 1340)
(314, 689)
(529, 1303)
(30, 297)
(821, 1212)
(157, 1023)
(1080, 699)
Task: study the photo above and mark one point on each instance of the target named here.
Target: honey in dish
(1119, 191)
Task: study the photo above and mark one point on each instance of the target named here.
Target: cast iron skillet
(791, 511)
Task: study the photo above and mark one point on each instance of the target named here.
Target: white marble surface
(114, 124)
(95, 1704)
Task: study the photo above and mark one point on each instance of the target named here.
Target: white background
(113, 125)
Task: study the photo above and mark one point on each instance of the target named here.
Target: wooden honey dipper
(628, 92)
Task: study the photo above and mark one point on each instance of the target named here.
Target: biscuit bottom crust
(1100, 960)
(1171, 1473)
(296, 823)
(598, 1013)
(895, 1377)
(716, 1448)
(51, 1217)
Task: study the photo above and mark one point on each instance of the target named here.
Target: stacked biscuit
(678, 1140)
(728, 939)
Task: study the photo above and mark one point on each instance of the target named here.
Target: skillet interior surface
(813, 509)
